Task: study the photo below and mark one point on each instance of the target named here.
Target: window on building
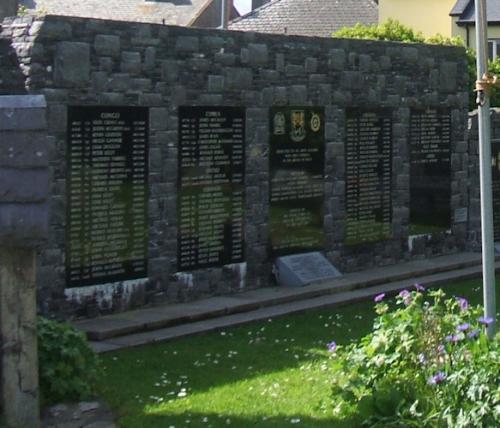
(493, 49)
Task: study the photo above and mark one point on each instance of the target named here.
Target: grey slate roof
(459, 7)
(174, 12)
(467, 13)
(307, 17)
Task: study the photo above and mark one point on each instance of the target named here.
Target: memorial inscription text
(107, 223)
(368, 154)
(297, 159)
(211, 186)
(430, 171)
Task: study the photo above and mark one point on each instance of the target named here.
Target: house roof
(459, 7)
(172, 12)
(307, 17)
(466, 12)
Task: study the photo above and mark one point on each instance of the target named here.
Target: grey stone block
(158, 118)
(131, 63)
(280, 62)
(410, 55)
(244, 56)
(187, 44)
(238, 78)
(215, 83)
(24, 185)
(298, 94)
(337, 59)
(23, 224)
(150, 58)
(169, 70)
(18, 102)
(213, 42)
(258, 54)
(52, 30)
(311, 65)
(22, 119)
(107, 45)
(23, 149)
(99, 81)
(119, 82)
(110, 98)
(72, 64)
(448, 76)
(292, 70)
(150, 99)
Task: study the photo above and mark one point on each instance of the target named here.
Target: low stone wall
(82, 62)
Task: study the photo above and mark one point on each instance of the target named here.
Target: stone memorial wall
(474, 211)
(186, 160)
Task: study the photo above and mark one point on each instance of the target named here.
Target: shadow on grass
(193, 420)
(241, 354)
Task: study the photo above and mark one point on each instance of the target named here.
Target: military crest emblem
(315, 122)
(298, 119)
(279, 123)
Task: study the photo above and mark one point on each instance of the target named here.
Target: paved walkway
(86, 414)
(166, 322)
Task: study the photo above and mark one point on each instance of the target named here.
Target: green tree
(394, 31)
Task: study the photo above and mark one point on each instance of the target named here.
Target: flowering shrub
(428, 363)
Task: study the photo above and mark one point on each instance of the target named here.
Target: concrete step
(167, 316)
(294, 307)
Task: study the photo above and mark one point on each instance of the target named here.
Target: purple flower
(485, 320)
(437, 378)
(463, 303)
(474, 334)
(406, 296)
(419, 287)
(332, 346)
(454, 338)
(463, 327)
(441, 349)
(379, 297)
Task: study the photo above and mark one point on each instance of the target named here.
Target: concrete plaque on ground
(107, 188)
(301, 269)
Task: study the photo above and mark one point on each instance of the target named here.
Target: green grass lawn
(267, 374)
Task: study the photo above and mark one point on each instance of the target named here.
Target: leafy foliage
(428, 363)
(68, 366)
(394, 31)
(390, 31)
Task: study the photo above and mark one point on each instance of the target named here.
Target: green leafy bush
(494, 68)
(68, 366)
(427, 363)
(390, 30)
(394, 31)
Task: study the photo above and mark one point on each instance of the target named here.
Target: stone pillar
(23, 227)
(8, 8)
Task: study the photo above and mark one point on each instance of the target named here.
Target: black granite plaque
(495, 184)
(297, 163)
(430, 171)
(107, 194)
(211, 186)
(368, 160)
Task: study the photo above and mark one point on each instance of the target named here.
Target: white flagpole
(483, 100)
